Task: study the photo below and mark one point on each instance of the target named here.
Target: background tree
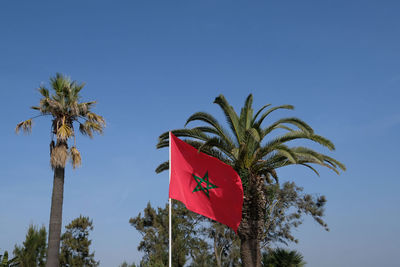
(223, 242)
(281, 257)
(285, 206)
(125, 264)
(153, 227)
(75, 244)
(32, 253)
(5, 262)
(256, 158)
(65, 108)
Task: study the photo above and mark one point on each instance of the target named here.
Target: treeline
(200, 242)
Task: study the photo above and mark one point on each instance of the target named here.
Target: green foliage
(285, 207)
(153, 226)
(125, 264)
(282, 258)
(5, 262)
(246, 147)
(224, 244)
(75, 244)
(33, 251)
(196, 240)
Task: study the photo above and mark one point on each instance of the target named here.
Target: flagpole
(170, 209)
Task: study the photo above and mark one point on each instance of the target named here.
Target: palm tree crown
(66, 109)
(245, 148)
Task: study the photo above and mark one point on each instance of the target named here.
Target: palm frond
(26, 126)
(270, 146)
(246, 115)
(162, 144)
(89, 127)
(287, 152)
(310, 167)
(75, 157)
(210, 150)
(44, 91)
(217, 143)
(64, 131)
(260, 121)
(207, 118)
(259, 112)
(284, 127)
(77, 88)
(230, 115)
(93, 117)
(84, 108)
(334, 162)
(322, 141)
(254, 134)
(192, 133)
(332, 168)
(305, 154)
(294, 121)
(162, 167)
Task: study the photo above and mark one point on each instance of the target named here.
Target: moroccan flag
(205, 184)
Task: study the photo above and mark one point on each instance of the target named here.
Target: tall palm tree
(255, 152)
(65, 109)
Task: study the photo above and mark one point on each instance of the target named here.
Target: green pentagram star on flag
(199, 187)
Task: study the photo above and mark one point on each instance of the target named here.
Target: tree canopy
(32, 253)
(75, 244)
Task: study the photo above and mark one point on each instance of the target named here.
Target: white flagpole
(170, 209)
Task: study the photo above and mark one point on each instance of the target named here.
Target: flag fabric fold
(205, 184)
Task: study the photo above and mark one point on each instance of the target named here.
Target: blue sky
(151, 64)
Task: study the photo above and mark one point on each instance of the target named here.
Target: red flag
(205, 184)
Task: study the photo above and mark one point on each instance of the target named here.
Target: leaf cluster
(186, 244)
(286, 206)
(75, 244)
(32, 253)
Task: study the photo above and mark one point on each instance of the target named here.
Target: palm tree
(255, 152)
(283, 258)
(65, 108)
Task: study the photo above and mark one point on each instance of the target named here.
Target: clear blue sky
(150, 64)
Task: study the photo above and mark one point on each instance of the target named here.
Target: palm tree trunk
(250, 253)
(53, 249)
(253, 219)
